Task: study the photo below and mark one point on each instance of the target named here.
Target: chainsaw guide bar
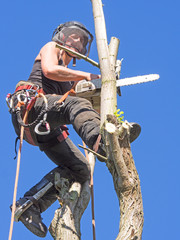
(91, 90)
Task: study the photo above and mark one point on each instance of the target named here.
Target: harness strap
(29, 86)
(34, 201)
(63, 136)
(16, 147)
(28, 136)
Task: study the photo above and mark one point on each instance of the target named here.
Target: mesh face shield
(74, 35)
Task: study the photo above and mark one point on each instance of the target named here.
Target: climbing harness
(26, 97)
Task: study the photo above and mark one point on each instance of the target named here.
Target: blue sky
(150, 36)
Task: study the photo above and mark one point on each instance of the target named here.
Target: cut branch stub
(113, 51)
(112, 134)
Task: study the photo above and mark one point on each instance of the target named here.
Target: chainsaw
(91, 90)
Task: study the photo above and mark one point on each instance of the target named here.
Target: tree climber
(50, 75)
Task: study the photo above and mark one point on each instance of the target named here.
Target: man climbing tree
(47, 96)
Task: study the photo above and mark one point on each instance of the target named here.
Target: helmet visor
(75, 38)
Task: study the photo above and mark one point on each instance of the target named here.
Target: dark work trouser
(76, 111)
(51, 195)
(86, 122)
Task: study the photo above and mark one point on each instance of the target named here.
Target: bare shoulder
(48, 48)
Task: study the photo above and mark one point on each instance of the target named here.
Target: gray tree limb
(108, 76)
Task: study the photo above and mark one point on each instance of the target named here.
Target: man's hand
(91, 76)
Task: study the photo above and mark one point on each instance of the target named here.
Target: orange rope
(17, 176)
(92, 196)
(66, 95)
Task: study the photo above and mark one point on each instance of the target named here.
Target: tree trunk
(116, 137)
(126, 180)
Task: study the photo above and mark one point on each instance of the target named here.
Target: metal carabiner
(9, 100)
(42, 122)
(34, 88)
(22, 97)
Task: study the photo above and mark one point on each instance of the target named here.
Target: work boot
(134, 131)
(99, 145)
(31, 217)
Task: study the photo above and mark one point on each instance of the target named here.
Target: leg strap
(33, 200)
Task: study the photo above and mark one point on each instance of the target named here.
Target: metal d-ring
(42, 122)
(58, 105)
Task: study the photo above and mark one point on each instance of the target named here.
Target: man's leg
(76, 111)
(66, 154)
(73, 166)
(31, 216)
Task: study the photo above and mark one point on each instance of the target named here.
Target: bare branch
(95, 153)
(78, 55)
(108, 102)
(113, 51)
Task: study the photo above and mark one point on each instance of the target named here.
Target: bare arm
(49, 55)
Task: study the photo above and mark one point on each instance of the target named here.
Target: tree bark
(126, 180)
